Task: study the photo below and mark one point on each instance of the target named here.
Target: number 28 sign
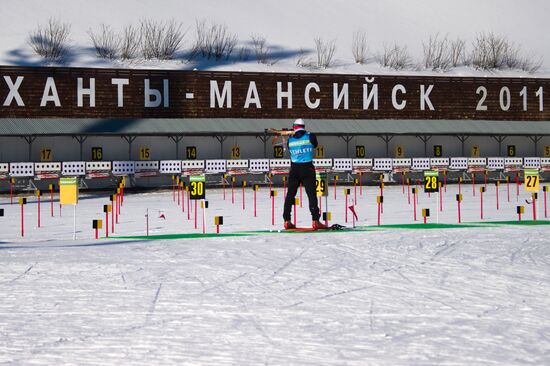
(431, 181)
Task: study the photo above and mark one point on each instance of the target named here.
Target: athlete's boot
(289, 225)
(318, 225)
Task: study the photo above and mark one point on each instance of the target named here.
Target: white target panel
(98, 166)
(4, 167)
(362, 163)
(215, 166)
(192, 164)
(495, 163)
(383, 164)
(322, 163)
(22, 169)
(531, 163)
(124, 167)
(170, 166)
(459, 163)
(421, 164)
(259, 165)
(279, 163)
(342, 165)
(237, 164)
(73, 168)
(401, 163)
(477, 162)
(439, 162)
(47, 167)
(544, 162)
(141, 166)
(513, 162)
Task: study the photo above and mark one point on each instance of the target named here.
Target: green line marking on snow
(177, 236)
(413, 226)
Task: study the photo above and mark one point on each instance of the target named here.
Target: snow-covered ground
(464, 296)
(288, 27)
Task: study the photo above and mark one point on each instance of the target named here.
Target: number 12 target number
(197, 188)
(431, 181)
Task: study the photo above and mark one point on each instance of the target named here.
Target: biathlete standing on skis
(301, 146)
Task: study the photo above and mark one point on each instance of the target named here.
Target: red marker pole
(458, 204)
(409, 190)
(381, 195)
(183, 198)
(203, 218)
(445, 180)
(481, 201)
(96, 233)
(474, 184)
(508, 187)
(355, 191)
(173, 189)
(51, 199)
(545, 189)
(38, 209)
(233, 190)
(379, 201)
(300, 195)
(346, 205)
(195, 214)
(497, 185)
(403, 182)
(534, 206)
(106, 223)
(244, 184)
(272, 209)
(188, 206)
(112, 219)
(440, 199)
(294, 212)
(414, 200)
(379, 213)
(254, 201)
(22, 221)
(11, 191)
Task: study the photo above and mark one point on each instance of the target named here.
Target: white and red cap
(299, 124)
